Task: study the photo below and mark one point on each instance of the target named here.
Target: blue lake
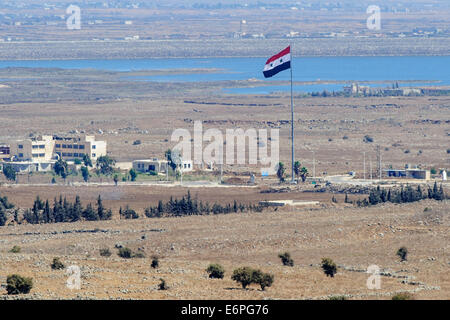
(387, 69)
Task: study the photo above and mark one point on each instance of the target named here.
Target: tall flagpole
(292, 122)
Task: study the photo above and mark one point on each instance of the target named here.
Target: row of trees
(299, 171)
(65, 211)
(404, 195)
(187, 206)
(4, 205)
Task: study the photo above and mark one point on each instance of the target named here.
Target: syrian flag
(278, 63)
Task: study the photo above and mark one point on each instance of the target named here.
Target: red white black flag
(278, 63)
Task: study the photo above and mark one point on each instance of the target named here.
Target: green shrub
(125, 253)
(15, 249)
(105, 252)
(286, 259)
(57, 264)
(243, 275)
(17, 284)
(433, 171)
(329, 267)
(403, 296)
(163, 285)
(215, 271)
(155, 262)
(246, 276)
(402, 253)
(263, 279)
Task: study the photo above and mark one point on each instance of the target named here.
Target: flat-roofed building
(409, 173)
(48, 148)
(38, 149)
(5, 151)
(71, 148)
(150, 165)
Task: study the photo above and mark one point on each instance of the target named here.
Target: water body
(348, 69)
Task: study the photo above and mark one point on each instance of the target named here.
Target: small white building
(150, 165)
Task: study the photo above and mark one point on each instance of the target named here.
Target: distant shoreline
(176, 49)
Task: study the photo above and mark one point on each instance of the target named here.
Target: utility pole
(379, 161)
(314, 164)
(364, 164)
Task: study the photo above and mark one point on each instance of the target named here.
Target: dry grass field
(353, 237)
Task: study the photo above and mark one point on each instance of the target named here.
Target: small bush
(15, 249)
(286, 259)
(402, 253)
(163, 285)
(155, 262)
(57, 264)
(403, 296)
(105, 252)
(17, 284)
(329, 267)
(125, 253)
(243, 275)
(368, 139)
(263, 279)
(433, 171)
(246, 276)
(215, 271)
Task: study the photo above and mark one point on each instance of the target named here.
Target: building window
(34, 146)
(35, 155)
(93, 155)
(81, 147)
(20, 155)
(75, 146)
(94, 146)
(69, 155)
(42, 146)
(69, 146)
(64, 146)
(64, 154)
(20, 146)
(58, 146)
(41, 155)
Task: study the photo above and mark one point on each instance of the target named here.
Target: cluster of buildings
(41, 153)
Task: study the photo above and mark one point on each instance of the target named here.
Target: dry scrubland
(353, 237)
(408, 129)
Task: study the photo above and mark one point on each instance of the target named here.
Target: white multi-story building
(49, 148)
